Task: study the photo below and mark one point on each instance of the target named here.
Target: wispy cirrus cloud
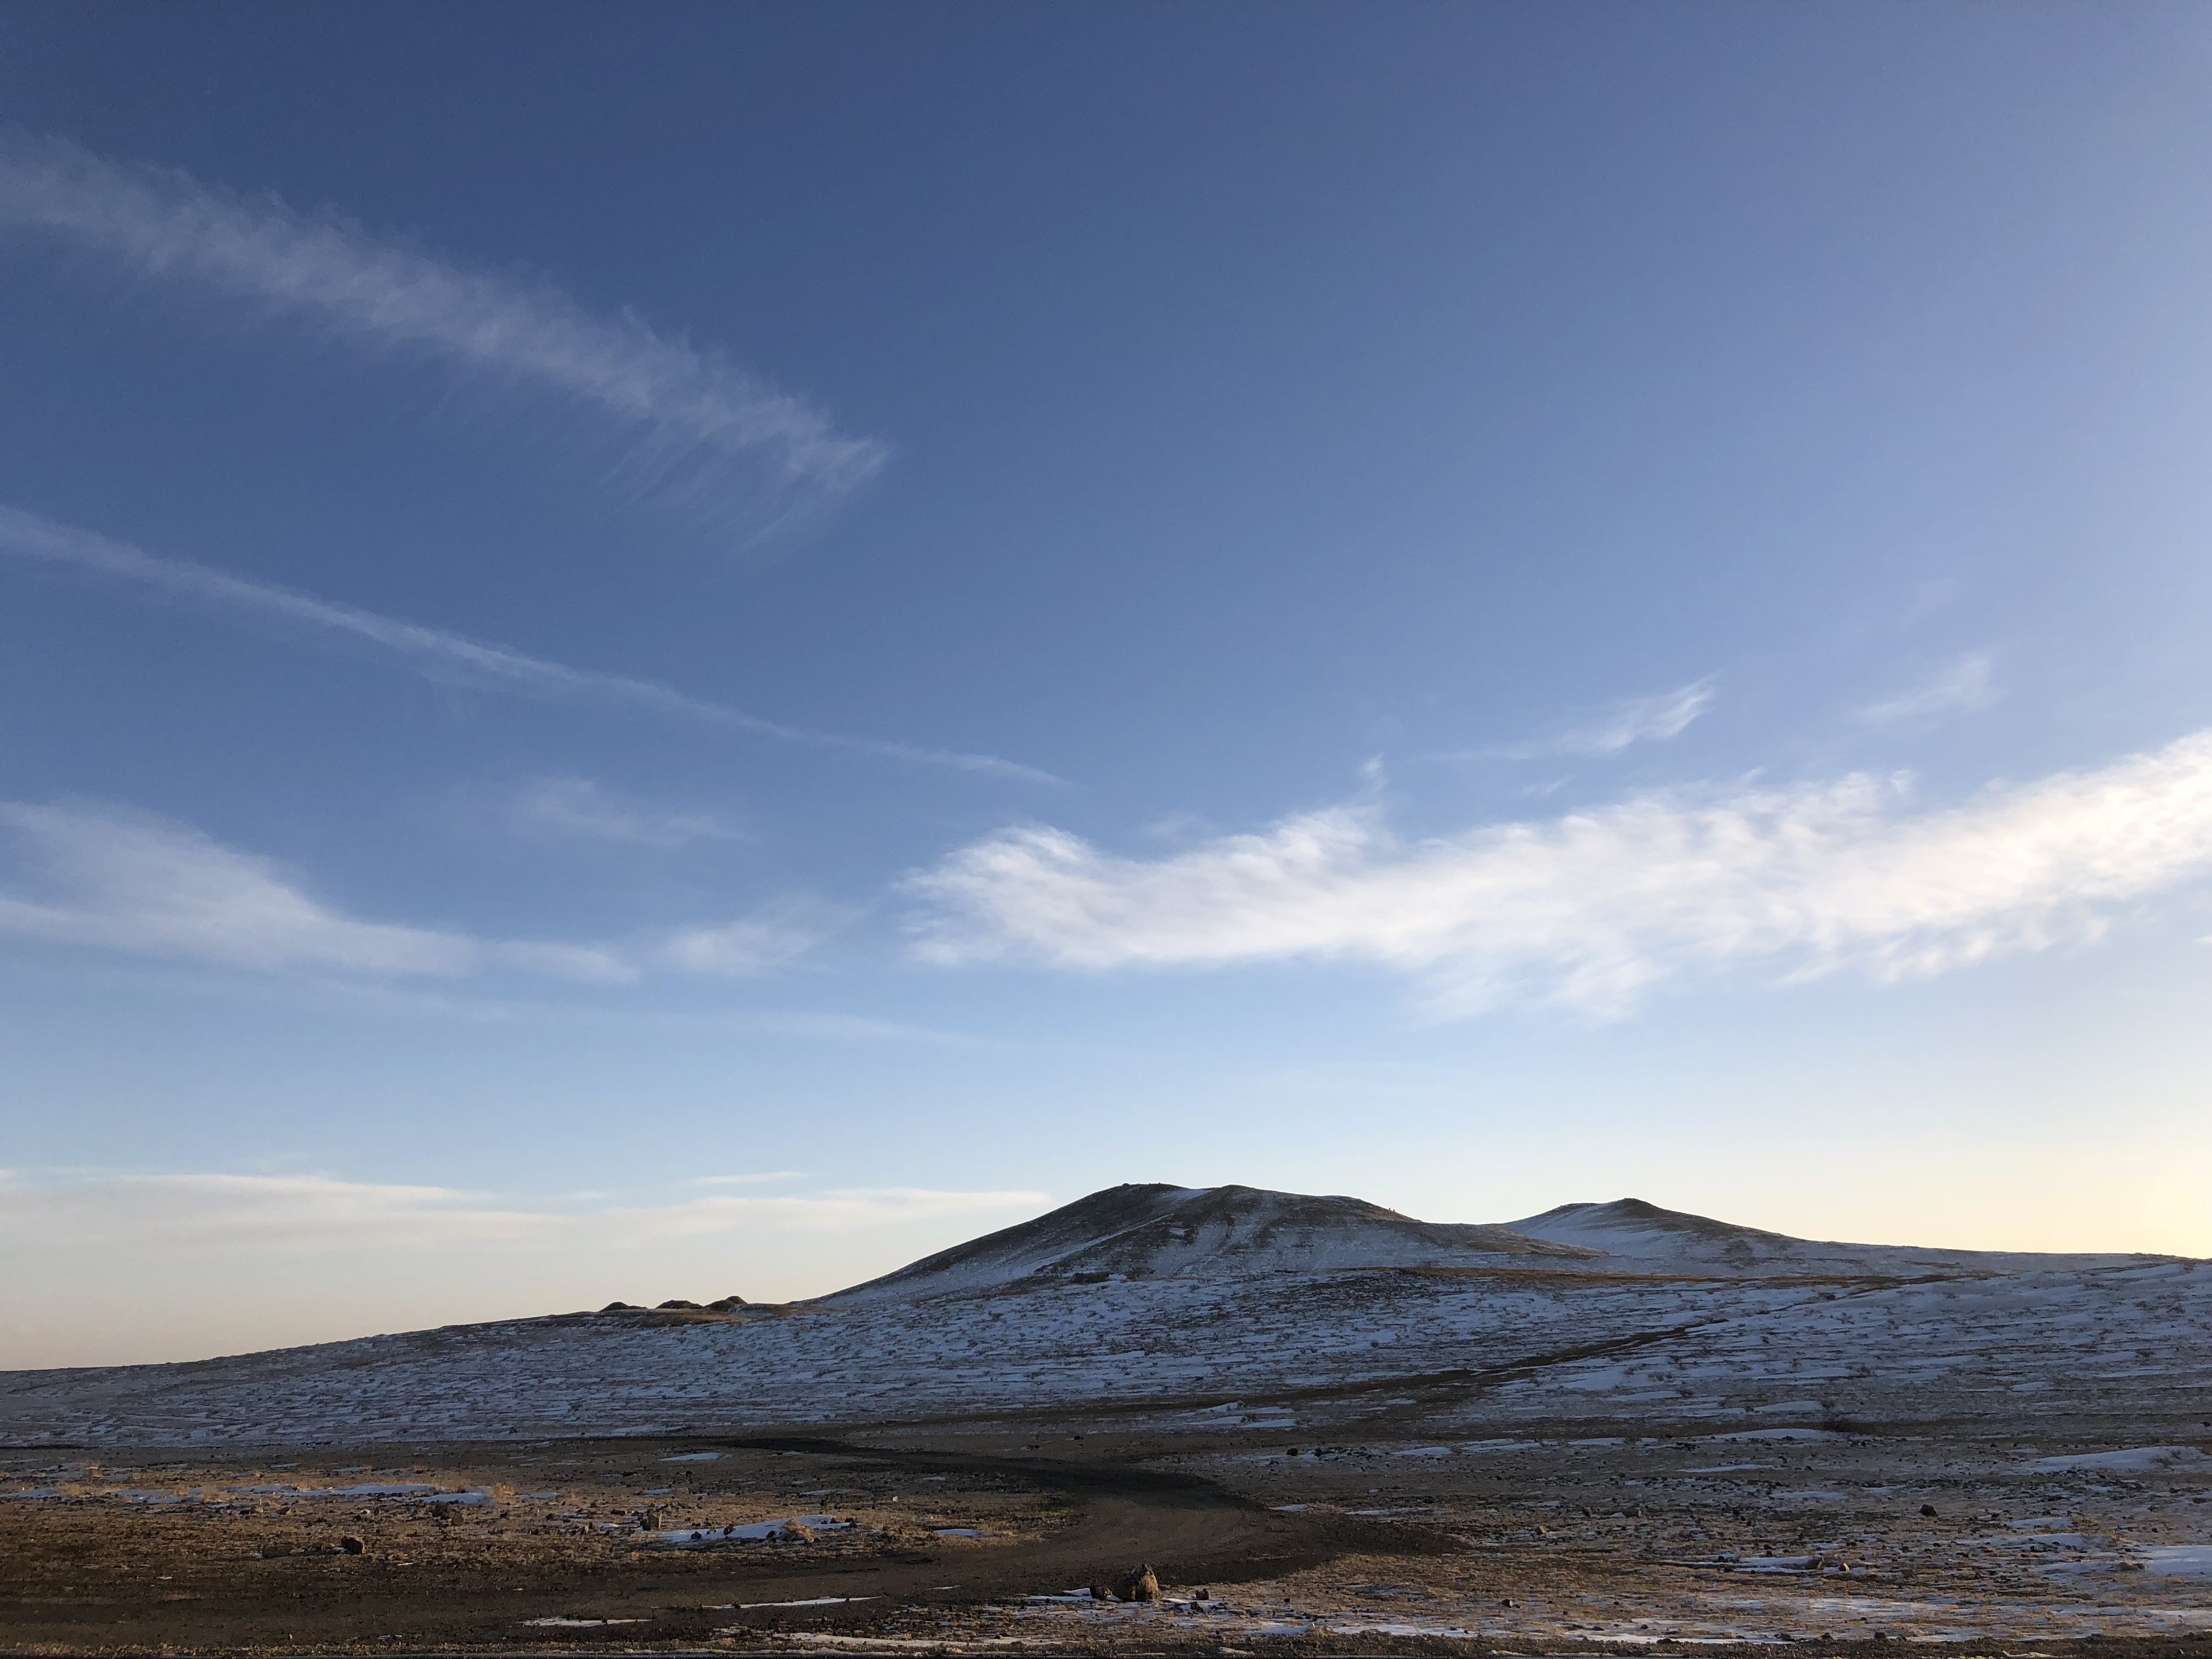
(317, 1214)
(122, 880)
(699, 431)
(586, 809)
(1590, 911)
(434, 653)
(1962, 687)
(1613, 728)
(111, 878)
(774, 937)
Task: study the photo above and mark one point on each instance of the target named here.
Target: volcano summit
(1160, 1231)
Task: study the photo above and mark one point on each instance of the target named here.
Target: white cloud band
(104, 877)
(1588, 911)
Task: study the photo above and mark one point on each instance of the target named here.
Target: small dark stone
(1928, 1508)
(1100, 1593)
(350, 1545)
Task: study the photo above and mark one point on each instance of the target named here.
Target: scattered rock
(650, 1521)
(1142, 1585)
(350, 1545)
(275, 1548)
(1928, 1508)
(1100, 1593)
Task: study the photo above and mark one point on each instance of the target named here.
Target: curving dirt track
(1608, 1534)
(78, 1580)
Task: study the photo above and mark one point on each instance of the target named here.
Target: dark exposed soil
(92, 1576)
(1521, 1556)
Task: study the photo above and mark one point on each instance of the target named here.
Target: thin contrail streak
(701, 426)
(25, 535)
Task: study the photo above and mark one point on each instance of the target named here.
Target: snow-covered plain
(1433, 1350)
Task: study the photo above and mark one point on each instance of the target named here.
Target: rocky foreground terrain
(1324, 1425)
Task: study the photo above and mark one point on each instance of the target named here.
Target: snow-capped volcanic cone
(1159, 1231)
(1641, 1237)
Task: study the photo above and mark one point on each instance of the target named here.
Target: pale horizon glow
(258, 1232)
(316, 1214)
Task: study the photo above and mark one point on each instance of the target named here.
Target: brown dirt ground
(1533, 1559)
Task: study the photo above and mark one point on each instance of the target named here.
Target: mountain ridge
(1156, 1230)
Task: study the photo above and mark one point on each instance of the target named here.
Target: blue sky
(701, 649)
